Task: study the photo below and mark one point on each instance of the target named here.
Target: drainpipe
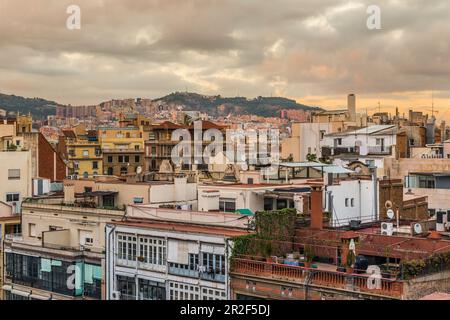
(109, 257)
(359, 200)
(375, 192)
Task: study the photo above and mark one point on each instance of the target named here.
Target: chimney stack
(351, 106)
(316, 207)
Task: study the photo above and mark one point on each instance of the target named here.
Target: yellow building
(122, 148)
(84, 154)
(9, 227)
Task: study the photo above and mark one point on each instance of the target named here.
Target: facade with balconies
(59, 254)
(160, 254)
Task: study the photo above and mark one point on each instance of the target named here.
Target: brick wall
(49, 161)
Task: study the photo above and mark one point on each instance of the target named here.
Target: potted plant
(350, 263)
(308, 253)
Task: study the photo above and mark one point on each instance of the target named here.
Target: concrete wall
(362, 193)
(15, 160)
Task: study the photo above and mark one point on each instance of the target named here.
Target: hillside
(221, 106)
(39, 108)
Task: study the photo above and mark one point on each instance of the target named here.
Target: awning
(302, 164)
(7, 287)
(245, 212)
(39, 297)
(337, 170)
(21, 293)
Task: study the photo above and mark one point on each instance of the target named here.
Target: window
(32, 230)
(250, 181)
(85, 175)
(214, 265)
(352, 202)
(12, 197)
(268, 204)
(85, 153)
(123, 170)
(95, 165)
(181, 291)
(322, 134)
(127, 247)
(72, 152)
(110, 171)
(213, 294)
(346, 202)
(110, 159)
(126, 287)
(338, 142)
(151, 290)
(54, 228)
(87, 189)
(152, 250)
(137, 159)
(227, 205)
(13, 174)
(137, 147)
(85, 238)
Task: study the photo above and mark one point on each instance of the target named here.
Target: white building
(15, 177)
(160, 254)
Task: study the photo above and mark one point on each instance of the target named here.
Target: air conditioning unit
(115, 295)
(387, 228)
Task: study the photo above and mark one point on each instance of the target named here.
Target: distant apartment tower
(351, 106)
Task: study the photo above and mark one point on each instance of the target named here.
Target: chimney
(351, 106)
(316, 207)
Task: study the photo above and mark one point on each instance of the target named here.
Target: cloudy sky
(314, 51)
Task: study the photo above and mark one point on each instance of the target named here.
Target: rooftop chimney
(351, 106)
(316, 207)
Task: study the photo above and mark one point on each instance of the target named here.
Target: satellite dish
(390, 213)
(418, 228)
(388, 204)
(244, 167)
(139, 170)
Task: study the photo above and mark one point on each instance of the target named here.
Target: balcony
(379, 150)
(14, 237)
(336, 151)
(357, 283)
(183, 272)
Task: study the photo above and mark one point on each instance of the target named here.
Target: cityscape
(192, 166)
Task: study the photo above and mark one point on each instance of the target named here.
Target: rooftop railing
(325, 278)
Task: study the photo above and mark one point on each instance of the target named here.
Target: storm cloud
(315, 51)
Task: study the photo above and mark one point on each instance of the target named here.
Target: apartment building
(178, 192)
(161, 254)
(59, 255)
(9, 224)
(84, 154)
(159, 144)
(122, 148)
(307, 139)
(15, 174)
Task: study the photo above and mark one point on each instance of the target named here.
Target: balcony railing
(379, 150)
(336, 151)
(331, 279)
(14, 237)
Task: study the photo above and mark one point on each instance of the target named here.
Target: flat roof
(183, 227)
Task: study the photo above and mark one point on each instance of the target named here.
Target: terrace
(380, 266)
